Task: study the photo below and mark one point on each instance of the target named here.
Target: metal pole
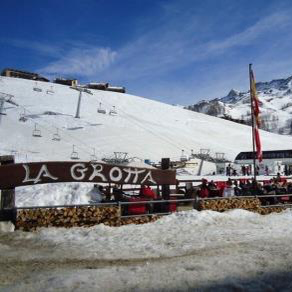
(252, 122)
(78, 106)
(2, 100)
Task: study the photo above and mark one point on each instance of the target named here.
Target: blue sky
(175, 51)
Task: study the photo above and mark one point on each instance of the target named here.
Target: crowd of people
(247, 170)
(100, 194)
(207, 189)
(245, 187)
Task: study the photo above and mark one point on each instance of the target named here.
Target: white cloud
(84, 62)
(40, 47)
(167, 49)
(272, 22)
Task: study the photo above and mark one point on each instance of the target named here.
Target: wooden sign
(23, 174)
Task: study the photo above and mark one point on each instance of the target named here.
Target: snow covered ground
(144, 128)
(235, 250)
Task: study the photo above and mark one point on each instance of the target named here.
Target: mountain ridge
(275, 105)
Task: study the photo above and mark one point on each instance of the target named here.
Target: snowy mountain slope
(276, 105)
(144, 128)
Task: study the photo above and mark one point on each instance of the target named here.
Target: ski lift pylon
(74, 154)
(100, 109)
(36, 132)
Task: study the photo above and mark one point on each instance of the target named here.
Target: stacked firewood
(139, 220)
(229, 203)
(250, 204)
(30, 219)
(269, 210)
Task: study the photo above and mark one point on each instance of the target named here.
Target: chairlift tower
(204, 153)
(220, 156)
(2, 100)
(80, 89)
(4, 97)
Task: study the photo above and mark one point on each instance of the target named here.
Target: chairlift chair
(113, 111)
(204, 151)
(219, 155)
(22, 117)
(56, 136)
(74, 154)
(183, 157)
(93, 157)
(50, 91)
(36, 88)
(36, 132)
(192, 153)
(101, 110)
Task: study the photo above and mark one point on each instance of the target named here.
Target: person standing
(96, 194)
(228, 190)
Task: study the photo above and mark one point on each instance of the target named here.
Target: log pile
(250, 204)
(224, 204)
(30, 219)
(266, 211)
(139, 220)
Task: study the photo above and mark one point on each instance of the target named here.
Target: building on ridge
(68, 82)
(9, 72)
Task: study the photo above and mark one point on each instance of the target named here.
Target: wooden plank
(8, 215)
(22, 174)
(165, 164)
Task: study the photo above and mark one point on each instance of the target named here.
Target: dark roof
(270, 154)
(19, 71)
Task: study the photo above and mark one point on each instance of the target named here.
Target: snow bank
(6, 227)
(174, 235)
(188, 250)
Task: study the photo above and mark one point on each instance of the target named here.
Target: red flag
(256, 115)
(258, 144)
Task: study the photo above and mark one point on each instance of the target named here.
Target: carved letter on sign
(97, 169)
(115, 174)
(78, 168)
(44, 172)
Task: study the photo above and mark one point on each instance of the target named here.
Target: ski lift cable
(138, 123)
(125, 115)
(85, 146)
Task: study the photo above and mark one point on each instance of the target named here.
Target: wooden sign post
(7, 202)
(13, 175)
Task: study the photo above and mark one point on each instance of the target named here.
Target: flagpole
(252, 122)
